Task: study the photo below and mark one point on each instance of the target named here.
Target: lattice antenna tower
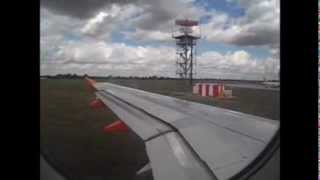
(186, 33)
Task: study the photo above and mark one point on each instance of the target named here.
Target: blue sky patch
(232, 8)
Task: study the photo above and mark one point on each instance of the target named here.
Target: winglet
(96, 104)
(117, 126)
(90, 83)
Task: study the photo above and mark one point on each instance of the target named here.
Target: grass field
(72, 137)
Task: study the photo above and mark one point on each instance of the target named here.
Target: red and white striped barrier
(208, 89)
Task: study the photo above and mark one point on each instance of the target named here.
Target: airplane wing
(47, 172)
(188, 140)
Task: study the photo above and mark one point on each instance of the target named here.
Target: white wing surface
(188, 140)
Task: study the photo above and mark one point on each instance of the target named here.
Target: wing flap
(171, 159)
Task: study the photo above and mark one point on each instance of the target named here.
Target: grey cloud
(258, 27)
(257, 37)
(158, 13)
(262, 19)
(82, 9)
(157, 20)
(143, 15)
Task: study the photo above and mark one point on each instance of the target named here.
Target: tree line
(76, 76)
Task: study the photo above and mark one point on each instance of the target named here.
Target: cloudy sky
(240, 38)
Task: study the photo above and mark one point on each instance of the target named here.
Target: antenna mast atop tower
(186, 34)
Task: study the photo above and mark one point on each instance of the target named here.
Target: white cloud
(100, 58)
(240, 57)
(145, 35)
(92, 24)
(109, 20)
(235, 65)
(113, 57)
